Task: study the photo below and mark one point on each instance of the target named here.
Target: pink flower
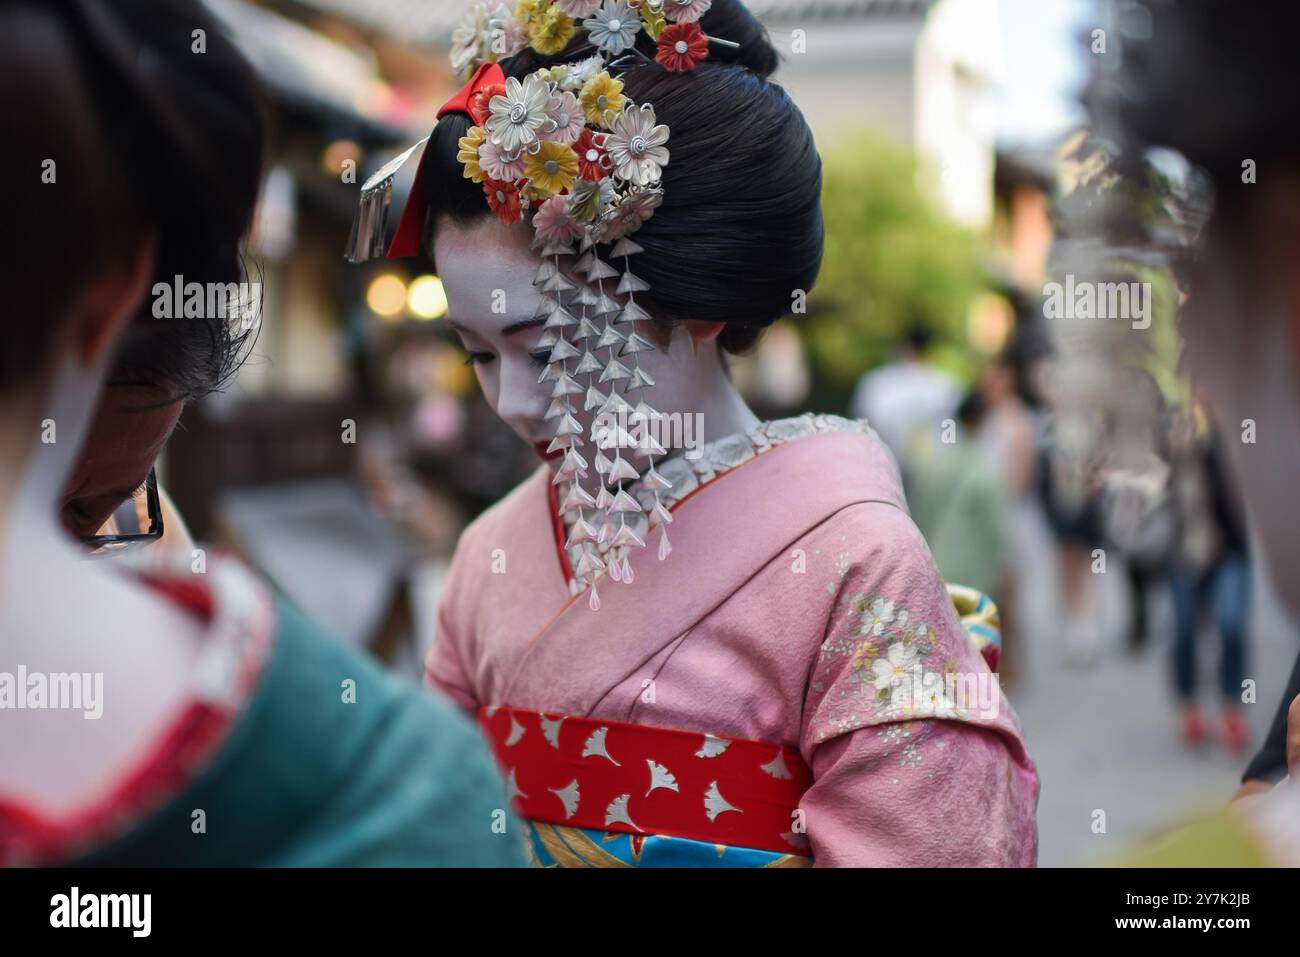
(553, 222)
(569, 119)
(578, 8)
(686, 11)
(499, 164)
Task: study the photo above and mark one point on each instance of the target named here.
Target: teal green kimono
(300, 778)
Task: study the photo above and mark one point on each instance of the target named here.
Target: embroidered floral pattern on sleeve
(884, 665)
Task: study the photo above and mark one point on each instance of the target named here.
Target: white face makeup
(487, 270)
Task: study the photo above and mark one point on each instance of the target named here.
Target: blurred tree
(892, 258)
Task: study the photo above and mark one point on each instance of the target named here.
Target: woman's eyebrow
(525, 324)
(507, 330)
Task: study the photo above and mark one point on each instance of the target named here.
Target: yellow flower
(551, 32)
(602, 98)
(864, 655)
(654, 21)
(552, 168)
(535, 195)
(526, 11)
(468, 153)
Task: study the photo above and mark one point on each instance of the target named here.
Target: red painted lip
(540, 449)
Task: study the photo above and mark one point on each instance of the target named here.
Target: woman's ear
(111, 299)
(702, 332)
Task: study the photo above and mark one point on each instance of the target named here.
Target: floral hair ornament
(568, 148)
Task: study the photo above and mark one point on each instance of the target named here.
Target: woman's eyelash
(538, 359)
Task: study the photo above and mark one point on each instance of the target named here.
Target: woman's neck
(712, 403)
(724, 412)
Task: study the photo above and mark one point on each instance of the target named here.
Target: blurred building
(958, 71)
(846, 62)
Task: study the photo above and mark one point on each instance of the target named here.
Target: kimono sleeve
(917, 757)
(444, 665)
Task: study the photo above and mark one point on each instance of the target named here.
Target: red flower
(593, 161)
(503, 198)
(478, 103)
(681, 47)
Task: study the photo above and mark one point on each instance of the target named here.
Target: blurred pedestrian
(960, 504)
(1210, 572)
(907, 399)
(1070, 490)
(1008, 433)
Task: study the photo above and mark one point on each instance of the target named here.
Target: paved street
(1106, 737)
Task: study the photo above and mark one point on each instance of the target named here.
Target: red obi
(639, 779)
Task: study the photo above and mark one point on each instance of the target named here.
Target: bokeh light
(386, 295)
(426, 298)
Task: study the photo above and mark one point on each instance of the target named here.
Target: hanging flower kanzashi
(566, 145)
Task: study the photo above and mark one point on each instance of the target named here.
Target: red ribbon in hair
(406, 241)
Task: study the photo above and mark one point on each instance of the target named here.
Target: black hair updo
(740, 226)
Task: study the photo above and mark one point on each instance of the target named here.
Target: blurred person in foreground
(211, 703)
(1279, 755)
(1215, 82)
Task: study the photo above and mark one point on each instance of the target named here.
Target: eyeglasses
(138, 521)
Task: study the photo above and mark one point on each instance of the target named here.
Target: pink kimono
(797, 601)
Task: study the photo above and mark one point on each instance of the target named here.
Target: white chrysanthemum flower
(582, 71)
(613, 28)
(636, 145)
(467, 40)
(519, 115)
